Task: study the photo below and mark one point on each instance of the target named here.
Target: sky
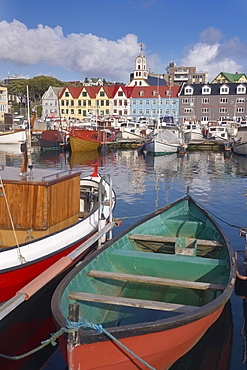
(74, 39)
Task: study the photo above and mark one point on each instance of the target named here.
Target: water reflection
(143, 184)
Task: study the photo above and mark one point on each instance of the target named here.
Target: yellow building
(3, 102)
(224, 77)
(76, 103)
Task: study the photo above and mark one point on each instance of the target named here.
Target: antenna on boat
(188, 190)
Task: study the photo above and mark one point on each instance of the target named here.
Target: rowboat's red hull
(159, 349)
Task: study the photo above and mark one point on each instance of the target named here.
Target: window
(153, 111)
(141, 93)
(154, 102)
(66, 93)
(204, 119)
(140, 102)
(154, 92)
(89, 103)
(241, 89)
(224, 89)
(223, 100)
(206, 90)
(239, 110)
(107, 103)
(79, 103)
(79, 111)
(147, 102)
(72, 111)
(134, 102)
(101, 93)
(147, 111)
(205, 110)
(223, 110)
(205, 101)
(167, 111)
(84, 113)
(84, 103)
(188, 110)
(120, 93)
(185, 101)
(140, 111)
(134, 111)
(84, 93)
(62, 102)
(240, 100)
(72, 103)
(188, 90)
(102, 102)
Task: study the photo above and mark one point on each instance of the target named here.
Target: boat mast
(27, 156)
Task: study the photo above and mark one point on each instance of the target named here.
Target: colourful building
(4, 108)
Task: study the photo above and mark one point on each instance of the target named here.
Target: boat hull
(240, 149)
(160, 349)
(83, 139)
(13, 137)
(157, 147)
(118, 290)
(41, 253)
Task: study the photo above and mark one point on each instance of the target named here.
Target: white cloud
(214, 54)
(86, 53)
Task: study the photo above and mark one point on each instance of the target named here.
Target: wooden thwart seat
(139, 303)
(172, 239)
(156, 280)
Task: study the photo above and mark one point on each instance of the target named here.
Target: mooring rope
(71, 327)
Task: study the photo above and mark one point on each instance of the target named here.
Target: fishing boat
(162, 142)
(52, 140)
(192, 130)
(54, 214)
(147, 296)
(82, 139)
(239, 145)
(241, 267)
(12, 137)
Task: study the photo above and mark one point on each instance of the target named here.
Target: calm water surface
(144, 184)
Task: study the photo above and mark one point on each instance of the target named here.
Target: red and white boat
(81, 139)
(44, 216)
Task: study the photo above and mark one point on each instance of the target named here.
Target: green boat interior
(171, 264)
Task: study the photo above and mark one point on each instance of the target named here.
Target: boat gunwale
(44, 237)
(120, 332)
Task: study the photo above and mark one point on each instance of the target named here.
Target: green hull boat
(155, 288)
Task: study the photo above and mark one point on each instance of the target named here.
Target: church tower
(140, 75)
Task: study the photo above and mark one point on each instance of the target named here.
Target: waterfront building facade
(4, 108)
(50, 103)
(210, 102)
(154, 101)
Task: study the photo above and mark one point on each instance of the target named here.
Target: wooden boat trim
(139, 303)
(156, 281)
(173, 239)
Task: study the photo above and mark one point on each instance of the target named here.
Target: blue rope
(72, 326)
(99, 328)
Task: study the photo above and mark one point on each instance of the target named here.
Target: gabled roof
(231, 77)
(152, 92)
(215, 88)
(92, 91)
(74, 91)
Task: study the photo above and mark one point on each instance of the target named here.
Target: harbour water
(146, 183)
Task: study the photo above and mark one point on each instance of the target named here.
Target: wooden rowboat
(155, 288)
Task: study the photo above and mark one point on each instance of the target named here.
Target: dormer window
(206, 90)
(154, 92)
(241, 89)
(224, 89)
(141, 93)
(188, 90)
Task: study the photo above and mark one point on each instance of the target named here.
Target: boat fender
(102, 224)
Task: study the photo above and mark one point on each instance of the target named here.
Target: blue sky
(74, 39)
